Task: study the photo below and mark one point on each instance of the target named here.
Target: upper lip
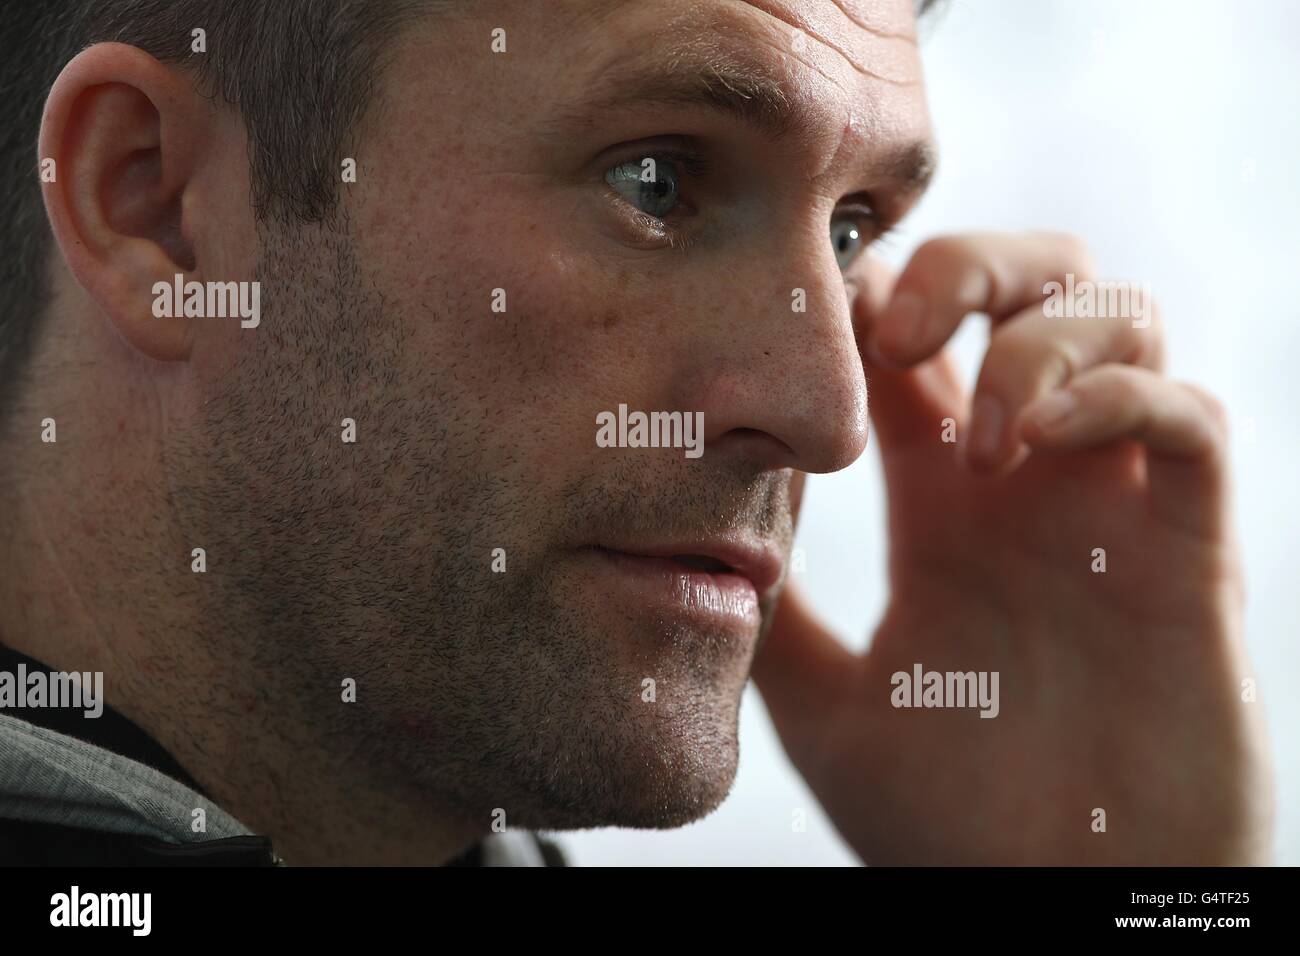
(758, 561)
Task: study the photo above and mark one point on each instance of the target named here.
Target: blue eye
(847, 238)
(649, 185)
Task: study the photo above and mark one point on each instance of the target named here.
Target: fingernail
(986, 428)
(1052, 411)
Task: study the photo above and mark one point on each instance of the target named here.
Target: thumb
(803, 673)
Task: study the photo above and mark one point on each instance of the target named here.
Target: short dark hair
(301, 73)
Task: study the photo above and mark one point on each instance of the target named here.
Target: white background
(1166, 134)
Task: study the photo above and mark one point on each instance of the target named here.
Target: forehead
(876, 38)
(842, 70)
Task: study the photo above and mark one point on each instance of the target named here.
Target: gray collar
(49, 777)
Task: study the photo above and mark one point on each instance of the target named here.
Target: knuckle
(1073, 253)
(1051, 354)
(1125, 385)
(1216, 417)
(1076, 251)
(1138, 342)
(1060, 360)
(1213, 405)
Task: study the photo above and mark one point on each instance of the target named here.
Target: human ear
(124, 132)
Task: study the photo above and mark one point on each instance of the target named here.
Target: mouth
(722, 578)
(686, 584)
(724, 559)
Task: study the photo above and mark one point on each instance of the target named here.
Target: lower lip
(721, 597)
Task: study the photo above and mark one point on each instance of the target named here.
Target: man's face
(595, 680)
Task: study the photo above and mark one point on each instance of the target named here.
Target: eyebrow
(757, 100)
(754, 97)
(912, 166)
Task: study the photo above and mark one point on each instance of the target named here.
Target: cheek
(533, 325)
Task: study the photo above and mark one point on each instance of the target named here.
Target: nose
(782, 382)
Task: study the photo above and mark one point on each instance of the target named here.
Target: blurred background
(1164, 132)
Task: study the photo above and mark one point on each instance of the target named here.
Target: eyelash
(883, 230)
(697, 166)
(885, 238)
(693, 163)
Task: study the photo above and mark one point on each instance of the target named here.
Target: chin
(649, 770)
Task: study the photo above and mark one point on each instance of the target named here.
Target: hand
(1121, 690)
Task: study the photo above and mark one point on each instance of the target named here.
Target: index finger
(950, 277)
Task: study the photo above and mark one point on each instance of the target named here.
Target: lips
(754, 561)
